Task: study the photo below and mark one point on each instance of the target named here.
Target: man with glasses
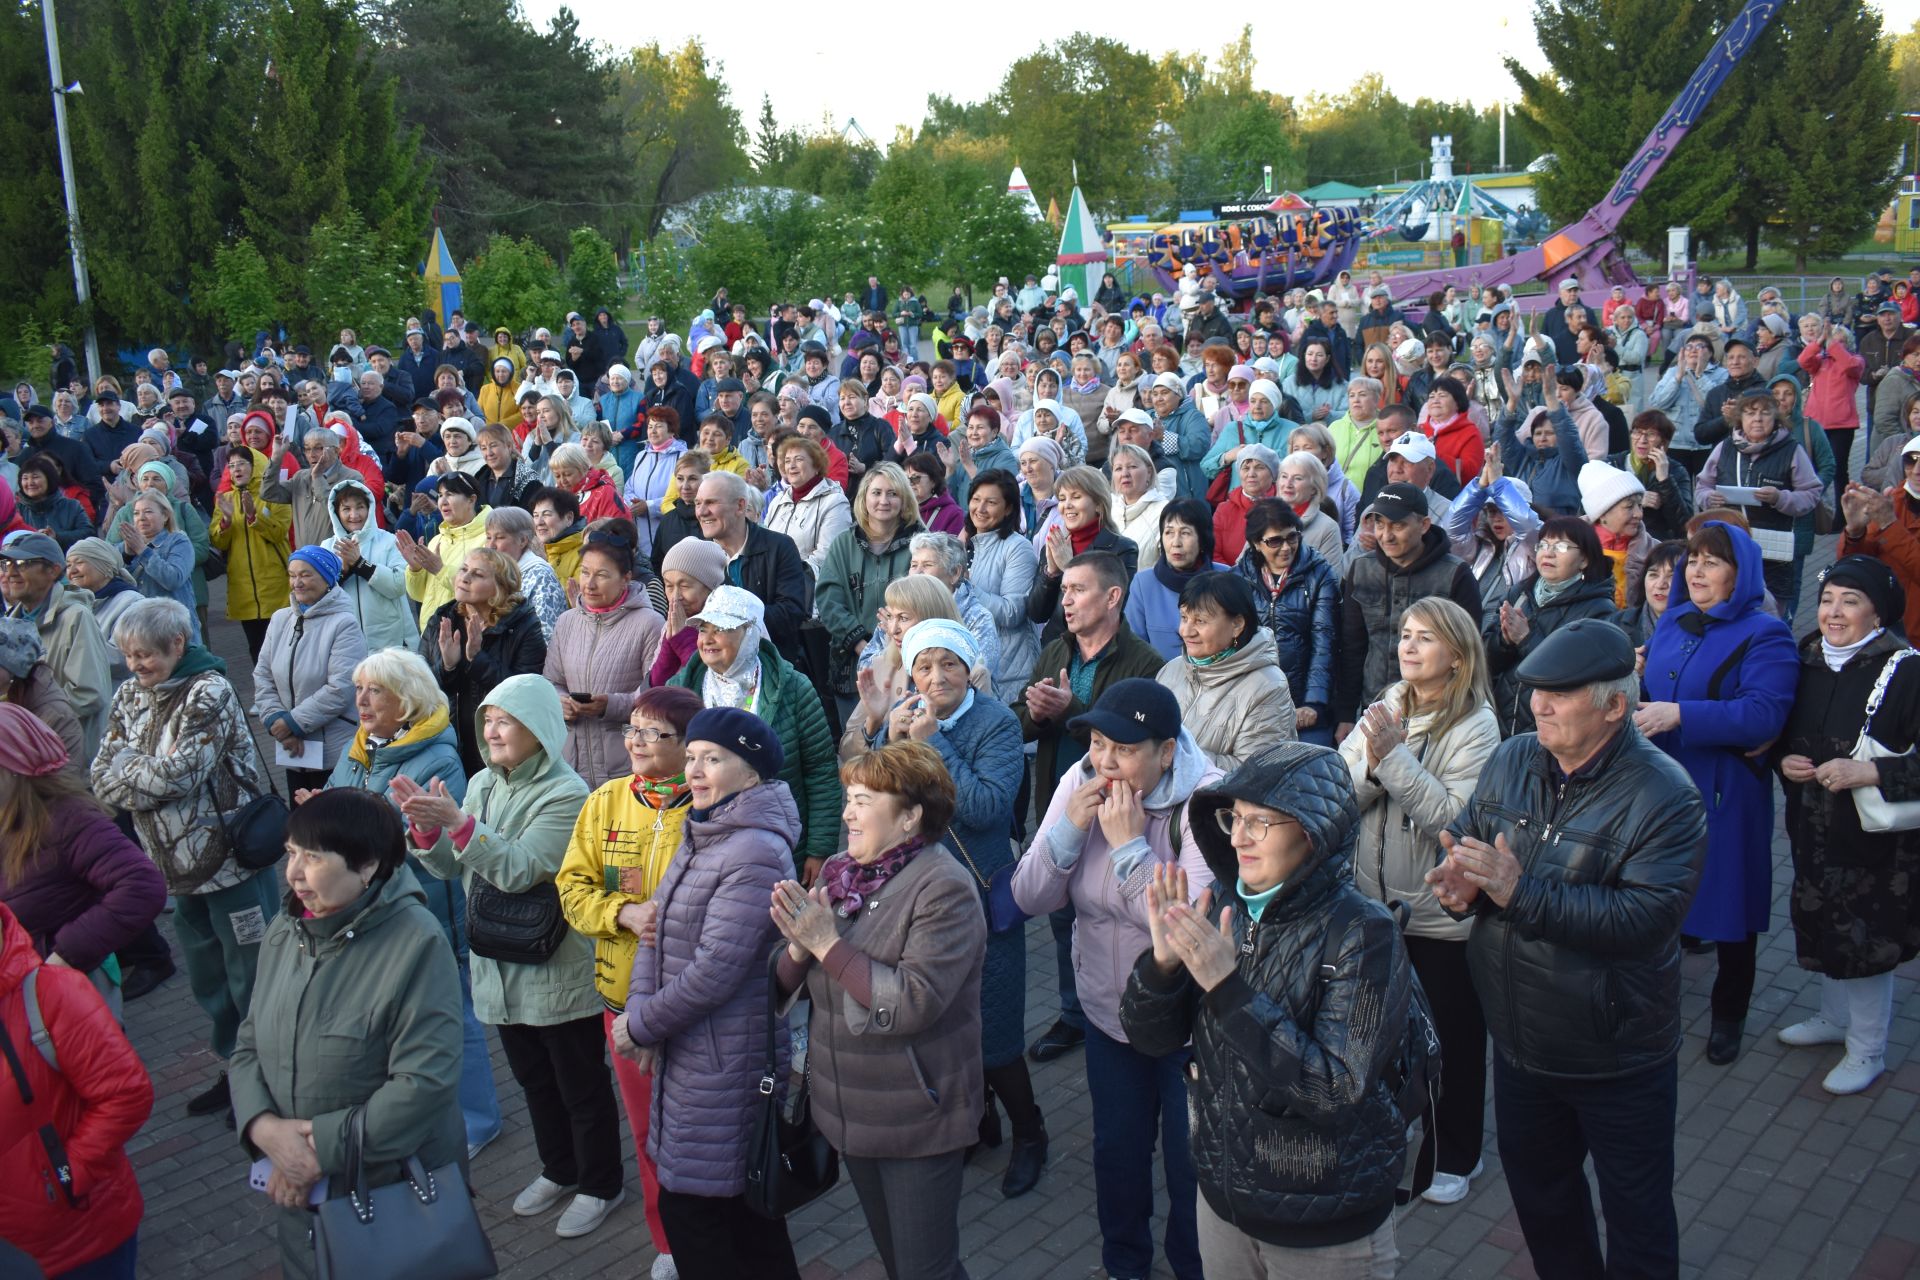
(32, 567)
(1887, 527)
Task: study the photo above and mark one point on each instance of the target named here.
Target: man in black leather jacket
(1577, 857)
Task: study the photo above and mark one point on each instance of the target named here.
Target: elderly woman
(1853, 893)
(1764, 454)
(1414, 758)
(649, 489)
(457, 438)
(1001, 575)
(252, 534)
(690, 573)
(510, 531)
(507, 478)
(1719, 682)
(1186, 549)
(594, 488)
(1315, 439)
(928, 475)
(1571, 579)
(159, 556)
(1082, 522)
(1227, 678)
(806, 506)
(694, 1017)
(463, 526)
(356, 1020)
(1259, 471)
(1303, 486)
(506, 840)
(1264, 424)
(861, 561)
(485, 634)
(43, 505)
(944, 556)
(1492, 526)
(1296, 594)
(623, 840)
(1137, 499)
(177, 754)
(96, 565)
(1668, 503)
(883, 679)
(373, 576)
(601, 653)
(896, 1023)
(737, 665)
(1656, 592)
(1041, 463)
(1117, 815)
(302, 680)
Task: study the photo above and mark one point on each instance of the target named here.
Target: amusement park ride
(1290, 244)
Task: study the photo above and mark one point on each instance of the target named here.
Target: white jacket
(378, 595)
(813, 522)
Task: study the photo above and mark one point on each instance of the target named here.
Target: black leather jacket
(1579, 974)
(1296, 1140)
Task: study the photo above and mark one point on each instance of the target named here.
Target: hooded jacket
(1375, 597)
(604, 653)
(522, 820)
(598, 498)
(1733, 671)
(78, 656)
(1834, 373)
(63, 518)
(96, 1102)
(1296, 1137)
(256, 550)
(432, 590)
(1585, 599)
(305, 672)
(1237, 706)
(699, 993)
(1187, 437)
(376, 586)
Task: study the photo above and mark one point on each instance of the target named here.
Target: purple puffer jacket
(700, 993)
(89, 891)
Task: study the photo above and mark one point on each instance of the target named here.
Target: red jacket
(1459, 445)
(1835, 373)
(96, 1101)
(1230, 527)
(598, 498)
(1898, 545)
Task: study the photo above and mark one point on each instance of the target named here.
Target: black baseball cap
(1132, 710)
(1397, 502)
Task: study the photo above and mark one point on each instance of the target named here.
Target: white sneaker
(1853, 1074)
(1815, 1030)
(475, 1148)
(1452, 1188)
(586, 1213)
(663, 1268)
(541, 1195)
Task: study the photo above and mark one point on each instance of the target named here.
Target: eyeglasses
(10, 565)
(1559, 547)
(648, 734)
(1256, 825)
(1279, 540)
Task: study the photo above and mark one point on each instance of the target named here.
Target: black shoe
(143, 979)
(218, 1098)
(1695, 946)
(991, 1134)
(1059, 1040)
(1723, 1040)
(1024, 1163)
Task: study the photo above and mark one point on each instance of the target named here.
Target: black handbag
(423, 1226)
(1003, 913)
(256, 832)
(789, 1164)
(515, 928)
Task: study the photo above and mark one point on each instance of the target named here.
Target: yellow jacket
(497, 403)
(563, 553)
(512, 351)
(256, 553)
(434, 589)
(619, 851)
(951, 402)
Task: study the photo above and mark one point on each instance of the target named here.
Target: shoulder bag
(789, 1163)
(1003, 913)
(1877, 813)
(514, 928)
(422, 1226)
(256, 832)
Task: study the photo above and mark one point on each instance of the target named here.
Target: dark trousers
(1733, 978)
(719, 1238)
(1547, 1129)
(1460, 1115)
(912, 1206)
(1061, 922)
(255, 629)
(576, 1123)
(1136, 1098)
(1841, 438)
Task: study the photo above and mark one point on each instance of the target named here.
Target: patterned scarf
(659, 793)
(850, 884)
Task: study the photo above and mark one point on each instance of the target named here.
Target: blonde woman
(484, 634)
(1137, 500)
(1082, 521)
(1414, 757)
(863, 559)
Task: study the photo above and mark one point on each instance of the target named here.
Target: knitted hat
(27, 746)
(1172, 382)
(699, 559)
(100, 555)
(928, 403)
(1048, 450)
(1267, 391)
(1261, 454)
(1603, 486)
(461, 425)
(744, 734)
(20, 647)
(322, 561)
(939, 633)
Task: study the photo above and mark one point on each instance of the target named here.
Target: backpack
(42, 1041)
(1413, 1076)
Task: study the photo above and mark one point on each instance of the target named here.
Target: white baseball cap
(1413, 446)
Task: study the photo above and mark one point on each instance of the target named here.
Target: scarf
(966, 704)
(801, 491)
(1837, 656)
(1211, 658)
(1257, 903)
(1175, 580)
(1545, 592)
(1642, 469)
(659, 793)
(1086, 388)
(739, 684)
(1083, 537)
(850, 884)
(1301, 509)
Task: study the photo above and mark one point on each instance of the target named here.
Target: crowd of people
(707, 717)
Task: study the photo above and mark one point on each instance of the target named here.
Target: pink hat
(27, 746)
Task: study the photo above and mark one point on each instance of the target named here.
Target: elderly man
(1557, 322)
(109, 437)
(1720, 411)
(1207, 320)
(377, 416)
(763, 561)
(73, 456)
(31, 568)
(1410, 562)
(308, 491)
(1880, 347)
(1576, 859)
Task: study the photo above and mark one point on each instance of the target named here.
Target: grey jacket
(305, 671)
(1001, 576)
(1239, 706)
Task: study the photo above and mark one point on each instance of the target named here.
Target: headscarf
(99, 554)
(27, 746)
(1265, 389)
(939, 633)
(1048, 450)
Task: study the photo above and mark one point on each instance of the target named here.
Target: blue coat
(423, 758)
(1153, 611)
(1733, 670)
(1305, 621)
(1187, 438)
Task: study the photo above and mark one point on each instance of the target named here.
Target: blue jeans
(117, 1265)
(479, 1105)
(1061, 922)
(1133, 1095)
(1548, 1127)
(910, 340)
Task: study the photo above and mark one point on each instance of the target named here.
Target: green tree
(1228, 130)
(356, 280)
(513, 282)
(774, 148)
(1360, 136)
(842, 245)
(242, 295)
(593, 276)
(996, 239)
(1590, 45)
(738, 258)
(679, 126)
(33, 217)
(1092, 100)
(669, 289)
(826, 164)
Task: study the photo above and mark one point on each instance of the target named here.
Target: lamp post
(60, 91)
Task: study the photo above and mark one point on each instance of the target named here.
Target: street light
(61, 90)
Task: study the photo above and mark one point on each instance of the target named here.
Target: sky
(817, 71)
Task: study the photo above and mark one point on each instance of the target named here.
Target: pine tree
(33, 214)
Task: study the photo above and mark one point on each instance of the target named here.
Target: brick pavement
(1774, 1178)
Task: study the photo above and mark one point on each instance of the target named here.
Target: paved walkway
(1774, 1177)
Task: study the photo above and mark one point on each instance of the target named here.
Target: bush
(738, 257)
(842, 248)
(668, 289)
(513, 283)
(242, 297)
(357, 281)
(593, 274)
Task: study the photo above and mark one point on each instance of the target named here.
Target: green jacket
(853, 586)
(791, 707)
(359, 1008)
(522, 823)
